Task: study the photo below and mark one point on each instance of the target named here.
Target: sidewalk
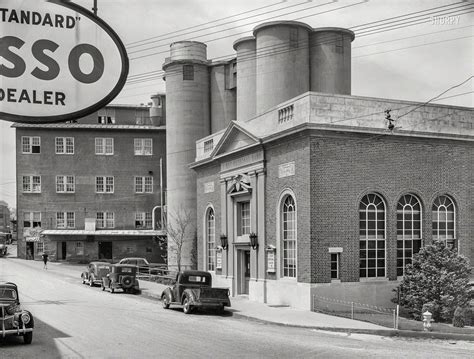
(244, 308)
(278, 315)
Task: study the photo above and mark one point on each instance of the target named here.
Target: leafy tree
(437, 280)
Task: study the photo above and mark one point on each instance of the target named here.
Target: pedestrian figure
(45, 260)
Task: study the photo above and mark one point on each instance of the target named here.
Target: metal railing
(387, 317)
(159, 274)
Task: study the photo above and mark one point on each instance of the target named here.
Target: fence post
(398, 315)
(352, 310)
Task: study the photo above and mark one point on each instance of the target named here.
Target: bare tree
(178, 228)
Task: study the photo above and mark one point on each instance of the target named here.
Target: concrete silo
(188, 119)
(223, 94)
(282, 62)
(330, 58)
(246, 77)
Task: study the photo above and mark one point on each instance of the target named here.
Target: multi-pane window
(39, 248)
(65, 220)
(443, 219)
(288, 228)
(143, 220)
(188, 72)
(211, 240)
(372, 236)
(244, 218)
(104, 184)
(79, 248)
(65, 145)
(105, 220)
(65, 184)
(144, 184)
(143, 146)
(31, 144)
(32, 184)
(408, 231)
(104, 146)
(335, 265)
(31, 219)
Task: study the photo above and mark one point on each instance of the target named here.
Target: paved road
(75, 321)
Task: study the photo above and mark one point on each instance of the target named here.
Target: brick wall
(207, 174)
(85, 166)
(345, 168)
(293, 148)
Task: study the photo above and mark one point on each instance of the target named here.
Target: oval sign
(58, 61)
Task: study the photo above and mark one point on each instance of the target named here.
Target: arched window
(372, 236)
(288, 227)
(408, 230)
(444, 212)
(211, 239)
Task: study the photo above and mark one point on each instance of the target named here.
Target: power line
(206, 23)
(158, 73)
(434, 98)
(303, 17)
(226, 23)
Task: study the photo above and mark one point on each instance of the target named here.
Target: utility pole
(161, 193)
(95, 8)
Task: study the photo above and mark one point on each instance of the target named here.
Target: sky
(414, 63)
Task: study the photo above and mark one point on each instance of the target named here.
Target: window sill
(374, 279)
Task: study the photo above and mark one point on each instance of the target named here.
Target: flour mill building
(300, 188)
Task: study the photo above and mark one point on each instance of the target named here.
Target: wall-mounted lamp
(253, 240)
(224, 242)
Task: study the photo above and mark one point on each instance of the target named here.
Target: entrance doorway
(62, 251)
(243, 270)
(30, 250)
(105, 250)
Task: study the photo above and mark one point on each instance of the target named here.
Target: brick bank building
(303, 189)
(88, 189)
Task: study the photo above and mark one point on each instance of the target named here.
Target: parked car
(13, 319)
(193, 289)
(95, 272)
(3, 245)
(121, 276)
(143, 265)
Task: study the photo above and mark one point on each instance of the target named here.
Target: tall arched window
(408, 230)
(288, 226)
(211, 239)
(372, 236)
(444, 212)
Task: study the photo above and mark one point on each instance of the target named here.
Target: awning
(106, 232)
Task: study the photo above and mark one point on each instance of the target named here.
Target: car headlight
(25, 318)
(11, 309)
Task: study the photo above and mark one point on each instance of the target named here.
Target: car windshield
(7, 293)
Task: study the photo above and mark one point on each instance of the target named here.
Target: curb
(380, 332)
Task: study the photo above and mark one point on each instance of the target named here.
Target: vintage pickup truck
(193, 289)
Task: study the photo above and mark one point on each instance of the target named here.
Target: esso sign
(58, 61)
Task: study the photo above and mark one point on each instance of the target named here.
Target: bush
(438, 279)
(459, 317)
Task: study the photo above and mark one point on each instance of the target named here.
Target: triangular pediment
(234, 138)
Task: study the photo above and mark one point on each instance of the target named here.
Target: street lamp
(224, 242)
(253, 240)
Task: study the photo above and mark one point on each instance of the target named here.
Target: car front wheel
(28, 337)
(187, 308)
(165, 301)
